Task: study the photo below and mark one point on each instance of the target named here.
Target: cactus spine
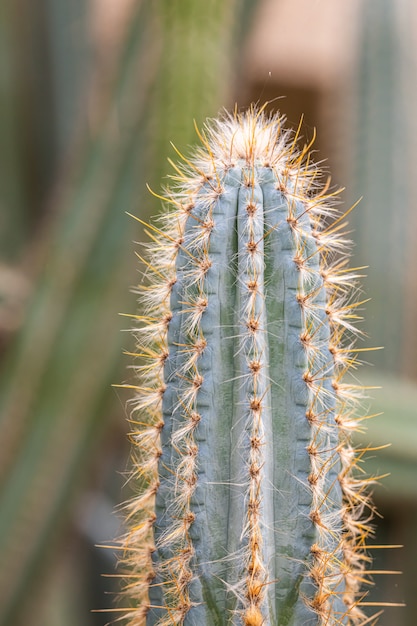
(249, 506)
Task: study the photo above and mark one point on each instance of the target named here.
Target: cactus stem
(251, 501)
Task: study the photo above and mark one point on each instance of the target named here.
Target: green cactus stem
(249, 501)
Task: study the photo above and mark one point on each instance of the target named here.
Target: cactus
(250, 499)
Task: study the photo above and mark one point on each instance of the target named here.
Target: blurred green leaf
(395, 400)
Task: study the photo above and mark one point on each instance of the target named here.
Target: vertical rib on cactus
(249, 507)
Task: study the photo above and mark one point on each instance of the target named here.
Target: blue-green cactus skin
(248, 509)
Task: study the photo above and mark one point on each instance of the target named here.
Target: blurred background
(91, 94)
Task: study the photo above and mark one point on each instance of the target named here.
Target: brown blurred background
(91, 94)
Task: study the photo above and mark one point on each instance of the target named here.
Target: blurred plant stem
(12, 208)
(385, 163)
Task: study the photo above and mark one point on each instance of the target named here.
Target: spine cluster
(253, 356)
(251, 502)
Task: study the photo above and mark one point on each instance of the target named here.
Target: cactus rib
(250, 505)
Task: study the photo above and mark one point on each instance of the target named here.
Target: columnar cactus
(249, 504)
